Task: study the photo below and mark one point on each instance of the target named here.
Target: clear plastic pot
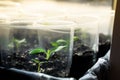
(106, 21)
(45, 46)
(85, 42)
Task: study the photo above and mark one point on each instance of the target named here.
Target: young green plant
(16, 43)
(56, 47)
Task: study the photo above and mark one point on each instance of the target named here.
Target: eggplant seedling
(16, 43)
(56, 47)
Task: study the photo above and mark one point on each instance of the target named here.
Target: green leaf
(19, 41)
(59, 48)
(61, 41)
(22, 41)
(76, 38)
(11, 45)
(54, 44)
(37, 51)
(16, 43)
(58, 43)
(36, 60)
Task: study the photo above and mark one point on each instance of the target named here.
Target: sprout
(57, 46)
(16, 43)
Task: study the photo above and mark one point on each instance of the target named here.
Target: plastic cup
(43, 46)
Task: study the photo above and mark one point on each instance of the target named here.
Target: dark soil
(104, 45)
(56, 66)
(83, 59)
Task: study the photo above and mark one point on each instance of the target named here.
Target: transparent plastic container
(87, 32)
(85, 44)
(106, 21)
(45, 46)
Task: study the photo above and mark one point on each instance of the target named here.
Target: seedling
(56, 47)
(16, 43)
